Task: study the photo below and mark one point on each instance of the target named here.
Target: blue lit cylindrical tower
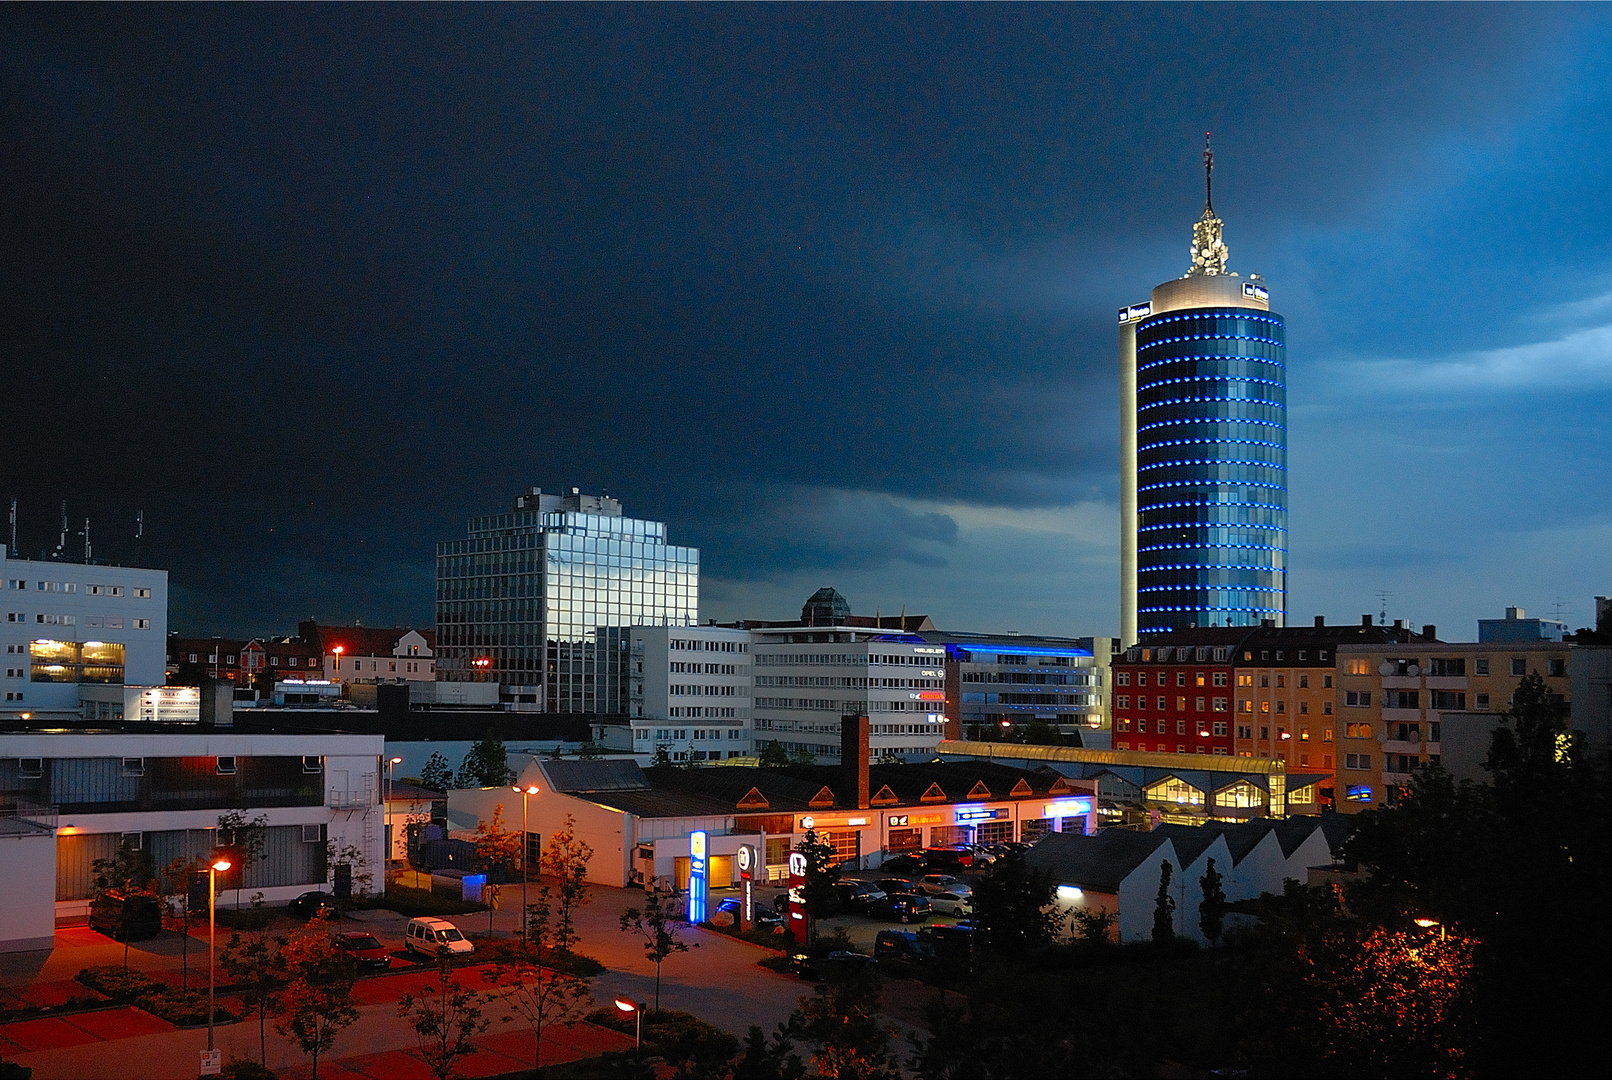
(1211, 467)
(1203, 449)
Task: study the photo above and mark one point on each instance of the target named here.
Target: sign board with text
(696, 877)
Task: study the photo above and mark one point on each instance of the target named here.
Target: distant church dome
(825, 607)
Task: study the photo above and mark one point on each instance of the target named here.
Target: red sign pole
(798, 925)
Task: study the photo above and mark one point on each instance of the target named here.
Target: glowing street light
(526, 850)
(391, 782)
(629, 1007)
(220, 864)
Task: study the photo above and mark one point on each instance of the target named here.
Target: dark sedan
(820, 968)
(310, 904)
(765, 917)
(902, 908)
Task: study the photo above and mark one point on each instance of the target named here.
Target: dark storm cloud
(311, 285)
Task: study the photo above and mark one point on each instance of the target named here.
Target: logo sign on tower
(696, 877)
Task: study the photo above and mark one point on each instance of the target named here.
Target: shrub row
(182, 1008)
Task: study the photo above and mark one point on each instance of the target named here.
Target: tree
(176, 881)
(317, 1002)
(841, 1021)
(822, 874)
(487, 765)
(653, 923)
(1164, 908)
(590, 750)
(773, 756)
(246, 840)
(497, 850)
(1093, 928)
(255, 961)
(566, 859)
(802, 756)
(355, 859)
(532, 989)
(129, 871)
(437, 775)
(445, 1018)
(1013, 906)
(663, 756)
(1212, 909)
(765, 1059)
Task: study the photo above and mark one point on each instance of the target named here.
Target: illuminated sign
(797, 864)
(1258, 292)
(1069, 892)
(896, 820)
(977, 813)
(1358, 794)
(808, 822)
(1067, 808)
(930, 695)
(1134, 312)
(922, 650)
(856, 821)
(745, 859)
(696, 877)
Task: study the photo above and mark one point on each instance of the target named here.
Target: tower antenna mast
(12, 550)
(1208, 176)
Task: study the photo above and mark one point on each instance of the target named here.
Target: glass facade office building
(521, 600)
(1203, 501)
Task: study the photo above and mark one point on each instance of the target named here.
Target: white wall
(1140, 889)
(27, 891)
(604, 829)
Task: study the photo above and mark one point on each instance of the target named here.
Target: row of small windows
(1271, 402)
(72, 587)
(1214, 377)
(1213, 420)
(1229, 363)
(1258, 610)
(1209, 566)
(1223, 547)
(1141, 345)
(1211, 442)
(693, 645)
(1211, 502)
(1202, 462)
(1180, 586)
(1200, 482)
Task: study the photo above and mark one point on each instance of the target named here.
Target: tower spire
(1208, 247)
(1208, 177)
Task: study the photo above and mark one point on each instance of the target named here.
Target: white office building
(687, 689)
(68, 626)
(807, 678)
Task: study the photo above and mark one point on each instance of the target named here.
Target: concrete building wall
(1139, 892)
(29, 858)
(607, 831)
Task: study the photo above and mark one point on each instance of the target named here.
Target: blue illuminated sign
(1068, 808)
(696, 877)
(975, 813)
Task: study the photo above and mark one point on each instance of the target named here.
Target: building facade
(68, 625)
(1203, 445)
(685, 690)
(521, 598)
(1392, 699)
(1001, 682)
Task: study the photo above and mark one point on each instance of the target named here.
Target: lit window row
(1212, 420)
(1210, 401)
(1202, 462)
(1215, 502)
(1199, 587)
(1211, 442)
(1173, 525)
(1249, 314)
(1210, 358)
(1200, 482)
(1229, 547)
(1209, 566)
(1262, 610)
(1210, 337)
(1211, 378)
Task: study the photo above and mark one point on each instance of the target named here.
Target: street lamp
(338, 650)
(526, 850)
(1428, 924)
(386, 860)
(219, 865)
(629, 1007)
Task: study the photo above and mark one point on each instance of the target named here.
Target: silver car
(951, 903)
(930, 884)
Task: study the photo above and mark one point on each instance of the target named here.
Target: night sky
(829, 289)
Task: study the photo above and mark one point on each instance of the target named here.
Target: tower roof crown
(1209, 252)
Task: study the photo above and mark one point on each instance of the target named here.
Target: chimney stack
(1430, 632)
(854, 757)
(1365, 620)
(1320, 620)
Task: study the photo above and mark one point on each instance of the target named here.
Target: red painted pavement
(49, 1033)
(119, 1023)
(506, 1052)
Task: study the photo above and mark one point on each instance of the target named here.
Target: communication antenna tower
(87, 550)
(1382, 598)
(12, 550)
(1559, 608)
(139, 536)
(61, 540)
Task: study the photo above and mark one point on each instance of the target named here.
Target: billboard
(696, 877)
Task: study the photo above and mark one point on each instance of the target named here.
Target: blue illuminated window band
(1200, 483)
(1214, 420)
(1211, 378)
(1202, 586)
(1209, 401)
(1201, 503)
(1211, 337)
(1215, 442)
(1211, 525)
(1212, 356)
(1212, 461)
(1214, 313)
(1259, 610)
(1221, 547)
(1211, 566)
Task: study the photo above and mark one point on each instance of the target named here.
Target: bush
(242, 918)
(10, 1070)
(767, 939)
(566, 963)
(677, 1036)
(779, 963)
(184, 1008)
(244, 1069)
(119, 985)
(414, 903)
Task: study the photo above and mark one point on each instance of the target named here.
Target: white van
(426, 936)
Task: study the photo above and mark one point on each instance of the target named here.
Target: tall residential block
(521, 599)
(1203, 448)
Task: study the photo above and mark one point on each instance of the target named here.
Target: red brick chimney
(854, 757)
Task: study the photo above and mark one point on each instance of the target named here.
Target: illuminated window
(1245, 680)
(1173, 790)
(1221, 704)
(1359, 667)
(1241, 795)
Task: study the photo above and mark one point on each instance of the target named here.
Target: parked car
(892, 885)
(950, 858)
(902, 908)
(901, 945)
(310, 904)
(818, 968)
(428, 935)
(951, 903)
(763, 916)
(948, 941)
(130, 916)
(904, 864)
(363, 950)
(930, 884)
(855, 895)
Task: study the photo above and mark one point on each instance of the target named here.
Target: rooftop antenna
(1208, 177)
(1560, 608)
(87, 550)
(12, 550)
(61, 541)
(1382, 598)
(139, 534)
